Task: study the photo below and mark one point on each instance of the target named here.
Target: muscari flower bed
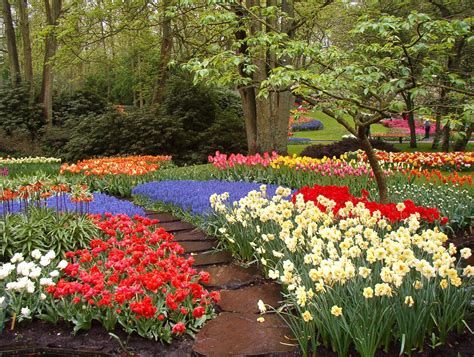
(305, 126)
(100, 204)
(194, 195)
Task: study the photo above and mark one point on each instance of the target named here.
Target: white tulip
(25, 312)
(36, 254)
(17, 257)
(62, 264)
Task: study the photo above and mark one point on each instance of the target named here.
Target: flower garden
(82, 249)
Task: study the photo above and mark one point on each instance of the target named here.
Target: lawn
(334, 131)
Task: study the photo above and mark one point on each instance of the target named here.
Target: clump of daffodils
(331, 263)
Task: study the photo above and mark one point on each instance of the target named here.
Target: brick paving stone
(198, 246)
(177, 226)
(231, 276)
(241, 334)
(194, 235)
(213, 257)
(162, 217)
(246, 299)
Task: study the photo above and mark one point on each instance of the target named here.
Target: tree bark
(461, 144)
(12, 49)
(445, 137)
(411, 120)
(247, 94)
(52, 14)
(374, 164)
(165, 56)
(27, 54)
(438, 132)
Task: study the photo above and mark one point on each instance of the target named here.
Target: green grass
(425, 147)
(333, 131)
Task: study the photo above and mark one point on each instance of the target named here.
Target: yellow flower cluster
(312, 251)
(28, 160)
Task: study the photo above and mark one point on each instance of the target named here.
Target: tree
(361, 84)
(15, 74)
(250, 35)
(53, 11)
(27, 54)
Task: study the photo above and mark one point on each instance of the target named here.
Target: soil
(41, 339)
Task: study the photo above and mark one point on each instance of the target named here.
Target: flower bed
(130, 165)
(402, 125)
(306, 125)
(430, 160)
(293, 140)
(194, 195)
(351, 278)
(62, 198)
(222, 161)
(133, 276)
(292, 171)
(28, 160)
(341, 196)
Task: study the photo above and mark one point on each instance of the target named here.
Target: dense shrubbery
(19, 115)
(193, 122)
(72, 106)
(340, 147)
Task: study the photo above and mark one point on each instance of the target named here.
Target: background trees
(357, 61)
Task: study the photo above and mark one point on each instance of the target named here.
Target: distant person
(427, 125)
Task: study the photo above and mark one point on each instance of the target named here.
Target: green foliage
(44, 229)
(194, 122)
(69, 107)
(18, 114)
(340, 147)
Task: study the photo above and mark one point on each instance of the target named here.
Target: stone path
(235, 331)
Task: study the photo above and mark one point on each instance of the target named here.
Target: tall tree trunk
(280, 105)
(247, 93)
(438, 132)
(52, 14)
(461, 144)
(411, 120)
(445, 137)
(249, 105)
(27, 54)
(374, 164)
(12, 49)
(165, 56)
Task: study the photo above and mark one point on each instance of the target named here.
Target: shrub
(346, 145)
(193, 122)
(18, 114)
(71, 106)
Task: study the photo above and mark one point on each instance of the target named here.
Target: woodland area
(71, 70)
